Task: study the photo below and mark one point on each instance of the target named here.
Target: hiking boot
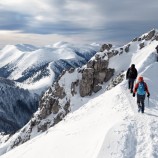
(139, 109)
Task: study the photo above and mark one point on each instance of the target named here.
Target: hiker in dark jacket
(141, 88)
(131, 75)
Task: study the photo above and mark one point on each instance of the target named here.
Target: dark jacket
(131, 73)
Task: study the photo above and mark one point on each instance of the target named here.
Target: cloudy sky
(42, 22)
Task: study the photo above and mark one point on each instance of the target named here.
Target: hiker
(141, 88)
(157, 52)
(131, 75)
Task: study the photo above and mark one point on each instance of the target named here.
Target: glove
(148, 95)
(133, 94)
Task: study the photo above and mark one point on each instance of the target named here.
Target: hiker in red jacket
(141, 88)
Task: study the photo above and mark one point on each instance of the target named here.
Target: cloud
(101, 20)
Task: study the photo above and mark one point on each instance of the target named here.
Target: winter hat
(140, 79)
(133, 65)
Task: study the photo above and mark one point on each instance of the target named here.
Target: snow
(108, 124)
(21, 59)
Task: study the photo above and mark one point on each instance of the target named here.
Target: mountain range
(89, 111)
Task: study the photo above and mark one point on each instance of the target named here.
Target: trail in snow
(136, 136)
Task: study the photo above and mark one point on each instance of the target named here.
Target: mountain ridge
(53, 101)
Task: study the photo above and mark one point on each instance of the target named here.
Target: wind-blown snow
(108, 125)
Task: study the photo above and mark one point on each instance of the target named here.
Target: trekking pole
(148, 101)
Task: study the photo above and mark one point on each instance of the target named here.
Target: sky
(43, 22)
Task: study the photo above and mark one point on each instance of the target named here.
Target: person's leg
(129, 83)
(142, 103)
(132, 83)
(138, 102)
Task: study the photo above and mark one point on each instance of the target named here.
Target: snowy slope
(108, 124)
(16, 106)
(37, 67)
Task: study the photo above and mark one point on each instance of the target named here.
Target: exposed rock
(150, 35)
(97, 88)
(156, 37)
(109, 74)
(110, 54)
(127, 48)
(144, 37)
(141, 45)
(114, 82)
(90, 64)
(99, 76)
(86, 82)
(116, 52)
(120, 52)
(139, 39)
(43, 127)
(73, 87)
(71, 70)
(100, 64)
(135, 39)
(67, 107)
(58, 118)
(106, 47)
(59, 91)
(96, 73)
(54, 106)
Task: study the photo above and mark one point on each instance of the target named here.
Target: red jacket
(136, 87)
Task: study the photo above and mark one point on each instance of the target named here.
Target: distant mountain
(16, 106)
(40, 66)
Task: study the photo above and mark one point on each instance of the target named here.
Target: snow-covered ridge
(31, 65)
(92, 122)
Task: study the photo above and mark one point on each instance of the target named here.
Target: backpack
(141, 88)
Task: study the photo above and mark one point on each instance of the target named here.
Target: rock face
(86, 83)
(150, 35)
(141, 45)
(49, 104)
(95, 74)
(127, 48)
(105, 47)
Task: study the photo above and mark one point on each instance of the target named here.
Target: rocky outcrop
(49, 103)
(86, 83)
(141, 45)
(127, 48)
(114, 82)
(150, 35)
(135, 39)
(94, 75)
(105, 47)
